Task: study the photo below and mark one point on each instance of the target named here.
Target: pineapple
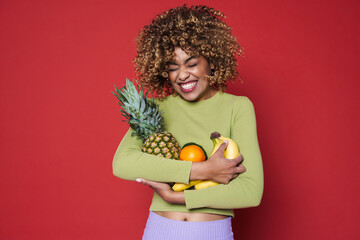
(144, 117)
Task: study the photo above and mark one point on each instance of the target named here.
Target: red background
(60, 124)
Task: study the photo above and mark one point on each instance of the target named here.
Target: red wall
(60, 125)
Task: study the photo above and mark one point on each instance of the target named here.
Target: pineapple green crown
(142, 114)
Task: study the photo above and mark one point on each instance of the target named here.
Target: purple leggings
(161, 228)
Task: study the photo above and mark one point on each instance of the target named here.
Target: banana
(205, 184)
(182, 186)
(231, 152)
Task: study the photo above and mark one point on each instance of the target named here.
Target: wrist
(198, 171)
(175, 197)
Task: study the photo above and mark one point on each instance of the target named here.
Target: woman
(186, 56)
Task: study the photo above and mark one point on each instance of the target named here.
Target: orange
(192, 153)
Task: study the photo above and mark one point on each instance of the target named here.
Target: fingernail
(138, 180)
(226, 141)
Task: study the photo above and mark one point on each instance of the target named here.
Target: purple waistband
(161, 228)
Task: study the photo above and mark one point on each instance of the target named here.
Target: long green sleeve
(130, 163)
(246, 190)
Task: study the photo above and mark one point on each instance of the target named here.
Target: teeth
(188, 85)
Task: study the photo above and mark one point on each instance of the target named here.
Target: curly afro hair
(198, 30)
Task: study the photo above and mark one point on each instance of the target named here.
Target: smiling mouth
(188, 87)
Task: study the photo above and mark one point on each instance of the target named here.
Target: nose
(183, 75)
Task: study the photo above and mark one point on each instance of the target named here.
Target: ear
(212, 66)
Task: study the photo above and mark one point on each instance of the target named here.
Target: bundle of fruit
(195, 153)
(144, 117)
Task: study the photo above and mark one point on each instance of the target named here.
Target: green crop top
(230, 115)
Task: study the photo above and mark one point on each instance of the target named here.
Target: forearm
(175, 198)
(130, 163)
(242, 192)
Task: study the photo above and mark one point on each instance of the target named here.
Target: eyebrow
(186, 61)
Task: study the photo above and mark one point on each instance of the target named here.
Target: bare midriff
(191, 217)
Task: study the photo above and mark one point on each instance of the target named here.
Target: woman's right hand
(218, 168)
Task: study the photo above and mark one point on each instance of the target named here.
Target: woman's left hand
(164, 191)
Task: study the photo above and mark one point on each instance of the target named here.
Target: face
(186, 75)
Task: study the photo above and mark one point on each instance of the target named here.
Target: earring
(212, 72)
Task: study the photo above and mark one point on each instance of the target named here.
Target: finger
(238, 159)
(145, 182)
(240, 169)
(235, 176)
(153, 184)
(141, 180)
(222, 147)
